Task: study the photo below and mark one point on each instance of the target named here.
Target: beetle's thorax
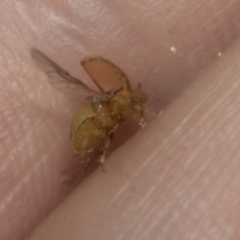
(113, 108)
(127, 105)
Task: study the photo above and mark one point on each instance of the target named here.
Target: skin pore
(178, 178)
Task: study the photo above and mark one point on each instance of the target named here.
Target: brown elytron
(93, 126)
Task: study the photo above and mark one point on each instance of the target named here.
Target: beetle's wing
(80, 166)
(57, 76)
(107, 76)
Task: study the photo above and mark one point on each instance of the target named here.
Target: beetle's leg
(142, 123)
(105, 151)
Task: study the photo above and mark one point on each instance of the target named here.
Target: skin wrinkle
(216, 36)
(146, 217)
(10, 153)
(200, 47)
(113, 201)
(213, 218)
(20, 184)
(185, 222)
(153, 211)
(227, 93)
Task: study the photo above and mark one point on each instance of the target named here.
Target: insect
(93, 126)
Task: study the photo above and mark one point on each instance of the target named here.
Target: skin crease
(178, 178)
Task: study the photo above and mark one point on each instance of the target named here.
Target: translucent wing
(57, 76)
(80, 166)
(107, 76)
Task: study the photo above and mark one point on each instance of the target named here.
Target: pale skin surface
(176, 179)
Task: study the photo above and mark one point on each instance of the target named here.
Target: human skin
(177, 178)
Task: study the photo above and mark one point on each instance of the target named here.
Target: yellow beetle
(93, 126)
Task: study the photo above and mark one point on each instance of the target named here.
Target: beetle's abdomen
(85, 135)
